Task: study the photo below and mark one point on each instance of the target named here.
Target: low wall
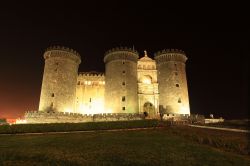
(61, 117)
(213, 120)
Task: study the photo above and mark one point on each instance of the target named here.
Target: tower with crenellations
(121, 91)
(173, 90)
(59, 80)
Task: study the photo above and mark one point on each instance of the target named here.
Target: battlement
(60, 51)
(165, 51)
(121, 49)
(65, 117)
(121, 53)
(62, 48)
(170, 55)
(91, 74)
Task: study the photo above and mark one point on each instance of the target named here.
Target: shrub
(62, 127)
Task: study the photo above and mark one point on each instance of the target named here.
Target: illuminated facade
(121, 91)
(171, 74)
(129, 85)
(148, 94)
(90, 93)
(59, 80)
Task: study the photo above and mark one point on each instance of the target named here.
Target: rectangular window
(123, 108)
(175, 65)
(123, 71)
(89, 99)
(123, 83)
(177, 85)
(123, 98)
(179, 100)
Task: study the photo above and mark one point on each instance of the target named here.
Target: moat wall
(60, 117)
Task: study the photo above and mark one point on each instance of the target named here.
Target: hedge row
(63, 127)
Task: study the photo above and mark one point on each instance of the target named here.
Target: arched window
(146, 79)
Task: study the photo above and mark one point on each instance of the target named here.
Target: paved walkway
(133, 129)
(90, 131)
(219, 128)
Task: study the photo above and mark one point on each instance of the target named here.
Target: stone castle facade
(130, 85)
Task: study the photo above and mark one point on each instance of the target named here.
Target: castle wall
(90, 93)
(121, 81)
(59, 80)
(173, 97)
(129, 87)
(61, 117)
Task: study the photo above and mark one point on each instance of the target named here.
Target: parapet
(116, 53)
(170, 55)
(165, 51)
(121, 49)
(92, 73)
(65, 117)
(62, 51)
(62, 48)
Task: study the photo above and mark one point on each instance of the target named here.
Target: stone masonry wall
(121, 81)
(173, 92)
(90, 93)
(59, 80)
(60, 117)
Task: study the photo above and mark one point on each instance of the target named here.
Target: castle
(130, 86)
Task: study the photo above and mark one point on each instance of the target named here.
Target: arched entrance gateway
(149, 110)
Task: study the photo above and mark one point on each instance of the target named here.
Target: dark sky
(215, 38)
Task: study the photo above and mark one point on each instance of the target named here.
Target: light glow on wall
(69, 110)
(94, 107)
(184, 110)
(108, 110)
(21, 121)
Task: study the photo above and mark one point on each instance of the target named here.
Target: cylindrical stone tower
(59, 80)
(173, 90)
(121, 80)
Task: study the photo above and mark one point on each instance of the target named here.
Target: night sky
(214, 37)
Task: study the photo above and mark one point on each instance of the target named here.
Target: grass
(136, 148)
(225, 140)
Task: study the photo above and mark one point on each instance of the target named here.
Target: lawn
(135, 148)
